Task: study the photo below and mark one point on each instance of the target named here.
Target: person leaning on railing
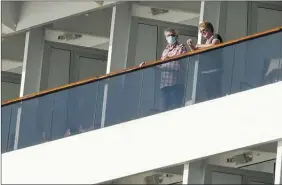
(209, 81)
(207, 32)
(171, 84)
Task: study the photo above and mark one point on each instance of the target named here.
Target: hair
(207, 25)
(172, 31)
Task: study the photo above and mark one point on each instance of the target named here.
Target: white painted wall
(96, 23)
(262, 18)
(236, 23)
(273, 17)
(10, 13)
(13, 66)
(174, 16)
(36, 13)
(85, 41)
(138, 146)
(9, 91)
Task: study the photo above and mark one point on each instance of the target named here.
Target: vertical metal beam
(278, 165)
(119, 37)
(185, 178)
(194, 172)
(118, 46)
(31, 70)
(32, 62)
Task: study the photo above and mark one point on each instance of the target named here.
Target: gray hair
(172, 31)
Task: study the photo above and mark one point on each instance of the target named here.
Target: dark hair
(217, 36)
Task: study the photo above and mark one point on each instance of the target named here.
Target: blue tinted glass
(164, 87)
(82, 105)
(121, 97)
(149, 103)
(45, 108)
(12, 130)
(28, 134)
(257, 62)
(6, 113)
(59, 126)
(191, 80)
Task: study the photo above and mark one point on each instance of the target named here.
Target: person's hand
(164, 57)
(189, 42)
(142, 64)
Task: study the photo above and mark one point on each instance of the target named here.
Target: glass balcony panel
(35, 121)
(149, 104)
(6, 113)
(45, 110)
(164, 87)
(12, 128)
(82, 108)
(60, 127)
(121, 95)
(181, 82)
(191, 78)
(214, 73)
(257, 62)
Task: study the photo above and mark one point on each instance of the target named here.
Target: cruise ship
(78, 108)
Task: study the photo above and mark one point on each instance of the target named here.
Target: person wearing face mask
(172, 73)
(207, 31)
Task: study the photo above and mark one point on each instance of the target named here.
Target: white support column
(119, 37)
(118, 46)
(215, 13)
(278, 166)
(32, 62)
(194, 172)
(31, 71)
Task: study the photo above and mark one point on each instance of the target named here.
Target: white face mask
(171, 39)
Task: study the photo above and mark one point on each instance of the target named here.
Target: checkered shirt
(172, 72)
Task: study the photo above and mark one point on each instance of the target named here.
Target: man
(207, 31)
(172, 74)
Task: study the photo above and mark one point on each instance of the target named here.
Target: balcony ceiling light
(157, 11)
(99, 2)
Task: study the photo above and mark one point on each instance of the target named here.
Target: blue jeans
(172, 97)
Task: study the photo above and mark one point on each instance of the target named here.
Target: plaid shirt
(172, 72)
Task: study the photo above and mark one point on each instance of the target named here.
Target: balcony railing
(134, 93)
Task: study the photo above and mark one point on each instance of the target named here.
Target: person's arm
(163, 57)
(157, 66)
(182, 50)
(174, 65)
(191, 45)
(214, 42)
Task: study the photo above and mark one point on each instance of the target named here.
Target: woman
(207, 31)
(210, 66)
